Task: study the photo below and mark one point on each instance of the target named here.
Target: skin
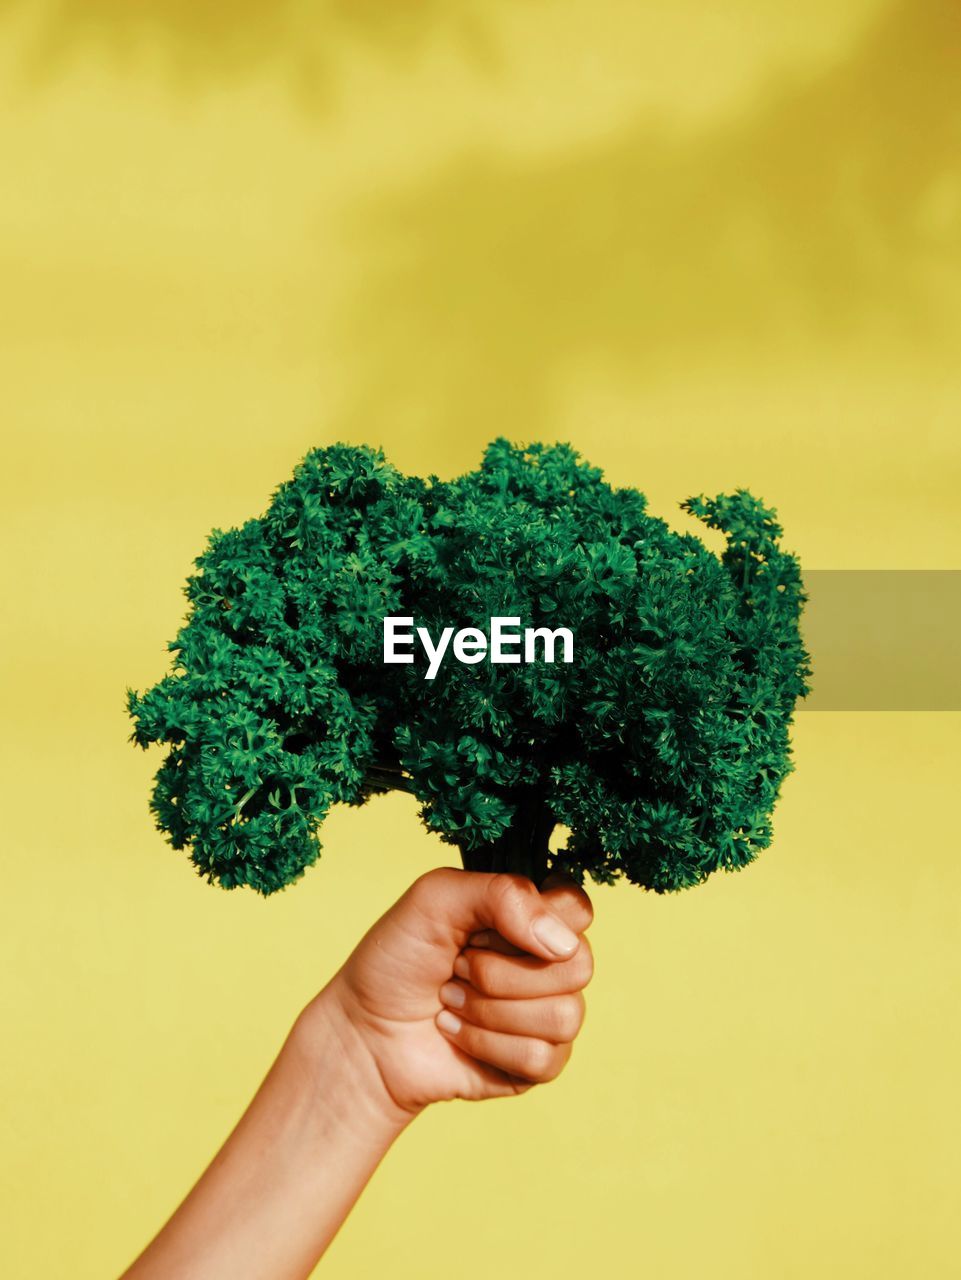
(470, 986)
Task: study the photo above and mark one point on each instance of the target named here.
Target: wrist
(340, 1071)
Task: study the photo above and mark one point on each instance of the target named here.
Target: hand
(468, 987)
(380, 1042)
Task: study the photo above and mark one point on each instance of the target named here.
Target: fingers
(568, 900)
(470, 901)
(564, 896)
(524, 977)
(509, 1009)
(491, 940)
(556, 1019)
(525, 1057)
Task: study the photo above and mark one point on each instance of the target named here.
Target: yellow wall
(710, 246)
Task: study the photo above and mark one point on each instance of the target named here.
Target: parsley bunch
(662, 746)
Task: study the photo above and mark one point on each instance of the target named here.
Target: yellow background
(710, 245)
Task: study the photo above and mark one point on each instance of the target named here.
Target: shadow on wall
(829, 211)
(204, 43)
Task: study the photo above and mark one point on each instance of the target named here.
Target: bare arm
(458, 991)
(285, 1179)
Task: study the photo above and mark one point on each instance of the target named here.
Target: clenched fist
(468, 987)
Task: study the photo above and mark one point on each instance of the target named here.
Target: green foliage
(662, 746)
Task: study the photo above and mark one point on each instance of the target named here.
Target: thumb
(567, 899)
(471, 900)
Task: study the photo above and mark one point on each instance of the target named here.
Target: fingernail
(481, 939)
(554, 935)
(461, 967)
(452, 994)
(448, 1022)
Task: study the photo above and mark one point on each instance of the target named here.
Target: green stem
(387, 778)
(522, 849)
(238, 808)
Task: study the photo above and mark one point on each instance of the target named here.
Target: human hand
(468, 987)
(380, 1042)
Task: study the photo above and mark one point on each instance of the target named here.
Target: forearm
(277, 1191)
